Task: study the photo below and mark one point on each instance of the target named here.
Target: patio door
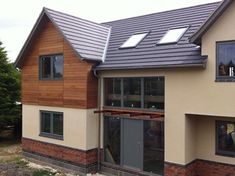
(132, 143)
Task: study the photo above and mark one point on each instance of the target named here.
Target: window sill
(50, 79)
(225, 79)
(225, 154)
(53, 136)
(134, 109)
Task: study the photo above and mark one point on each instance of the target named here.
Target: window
(51, 124)
(153, 147)
(134, 40)
(172, 36)
(145, 143)
(51, 67)
(225, 60)
(132, 92)
(154, 93)
(112, 137)
(147, 93)
(113, 92)
(225, 138)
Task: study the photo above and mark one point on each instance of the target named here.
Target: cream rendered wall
(80, 126)
(224, 96)
(205, 139)
(193, 91)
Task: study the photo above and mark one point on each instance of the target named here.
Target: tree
(10, 110)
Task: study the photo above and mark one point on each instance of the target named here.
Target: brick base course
(199, 168)
(73, 156)
(86, 159)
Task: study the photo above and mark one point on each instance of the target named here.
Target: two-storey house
(148, 95)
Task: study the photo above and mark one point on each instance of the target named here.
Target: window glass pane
(226, 137)
(45, 122)
(58, 124)
(132, 92)
(46, 67)
(112, 128)
(154, 93)
(154, 147)
(173, 36)
(113, 92)
(58, 63)
(133, 40)
(226, 59)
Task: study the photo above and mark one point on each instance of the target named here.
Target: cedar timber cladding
(78, 88)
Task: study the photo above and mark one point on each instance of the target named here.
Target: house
(148, 95)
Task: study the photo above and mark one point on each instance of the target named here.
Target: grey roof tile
(87, 38)
(147, 53)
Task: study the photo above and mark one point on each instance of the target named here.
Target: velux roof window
(134, 40)
(173, 35)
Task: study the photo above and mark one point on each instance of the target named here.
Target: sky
(17, 17)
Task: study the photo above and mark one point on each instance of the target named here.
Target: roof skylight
(173, 35)
(134, 40)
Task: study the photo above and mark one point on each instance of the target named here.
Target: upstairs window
(113, 92)
(172, 36)
(134, 40)
(225, 60)
(135, 92)
(51, 67)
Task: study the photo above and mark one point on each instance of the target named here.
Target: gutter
(99, 119)
(196, 65)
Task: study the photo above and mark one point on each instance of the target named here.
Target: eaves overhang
(196, 37)
(200, 64)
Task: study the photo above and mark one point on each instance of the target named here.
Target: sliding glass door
(135, 144)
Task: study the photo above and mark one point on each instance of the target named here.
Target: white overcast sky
(17, 17)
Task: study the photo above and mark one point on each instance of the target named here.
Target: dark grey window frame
(222, 78)
(51, 62)
(217, 150)
(51, 134)
(142, 94)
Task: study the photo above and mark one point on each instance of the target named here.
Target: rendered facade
(149, 95)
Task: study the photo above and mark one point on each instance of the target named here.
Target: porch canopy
(134, 114)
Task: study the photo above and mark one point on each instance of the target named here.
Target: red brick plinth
(200, 168)
(63, 153)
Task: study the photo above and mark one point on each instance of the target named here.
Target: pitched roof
(88, 39)
(196, 37)
(147, 54)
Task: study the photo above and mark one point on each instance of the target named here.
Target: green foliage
(10, 112)
(42, 173)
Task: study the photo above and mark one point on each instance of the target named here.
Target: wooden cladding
(77, 89)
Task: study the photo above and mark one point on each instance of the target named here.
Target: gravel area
(12, 164)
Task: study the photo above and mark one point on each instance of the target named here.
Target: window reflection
(45, 122)
(132, 92)
(154, 93)
(154, 147)
(58, 66)
(112, 139)
(113, 92)
(226, 59)
(58, 124)
(46, 67)
(226, 137)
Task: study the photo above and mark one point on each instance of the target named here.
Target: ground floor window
(136, 144)
(51, 124)
(225, 138)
